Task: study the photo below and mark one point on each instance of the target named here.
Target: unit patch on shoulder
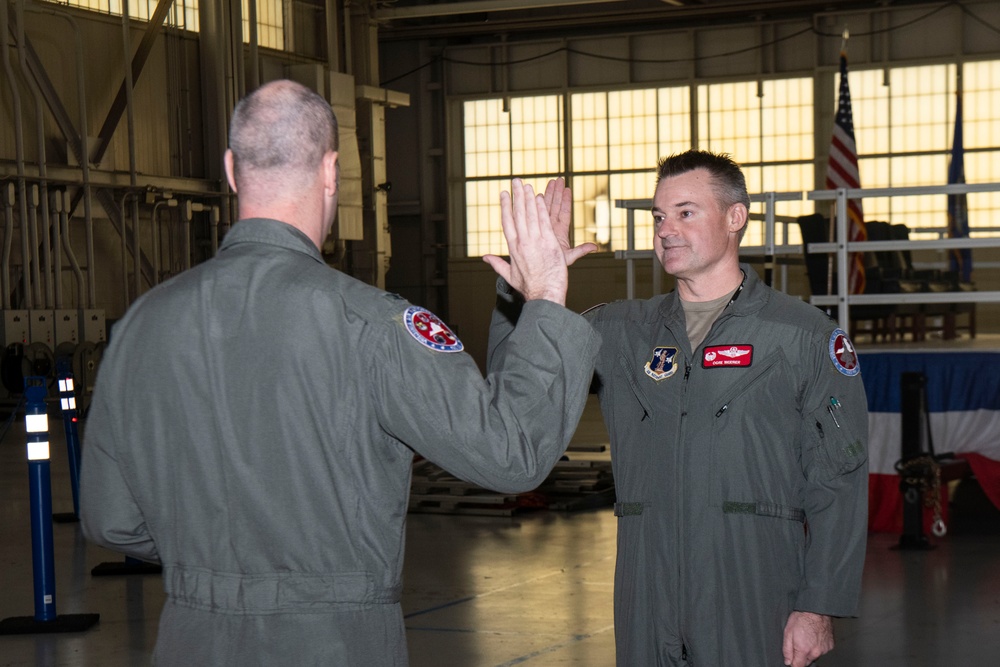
(843, 354)
(663, 364)
(719, 356)
(428, 330)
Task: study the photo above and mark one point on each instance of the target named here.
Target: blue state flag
(958, 207)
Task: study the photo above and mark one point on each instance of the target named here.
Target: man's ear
(227, 160)
(331, 173)
(738, 217)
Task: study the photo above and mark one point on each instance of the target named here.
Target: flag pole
(833, 204)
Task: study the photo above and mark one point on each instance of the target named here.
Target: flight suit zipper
(744, 388)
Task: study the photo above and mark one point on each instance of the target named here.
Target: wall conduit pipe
(57, 249)
(22, 195)
(84, 158)
(68, 247)
(123, 235)
(36, 274)
(22, 55)
(136, 247)
(130, 115)
(157, 232)
(8, 242)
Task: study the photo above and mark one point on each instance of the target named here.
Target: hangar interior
(113, 121)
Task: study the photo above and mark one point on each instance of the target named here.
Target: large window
(523, 137)
(981, 137)
(903, 124)
(904, 121)
(767, 127)
(617, 138)
(184, 14)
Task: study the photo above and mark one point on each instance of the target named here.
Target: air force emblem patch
(663, 364)
(429, 331)
(843, 354)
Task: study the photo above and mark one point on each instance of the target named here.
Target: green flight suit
(253, 429)
(740, 471)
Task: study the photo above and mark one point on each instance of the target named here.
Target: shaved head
(278, 136)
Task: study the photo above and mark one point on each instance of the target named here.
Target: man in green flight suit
(738, 426)
(255, 419)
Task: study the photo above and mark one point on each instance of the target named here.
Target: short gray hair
(281, 127)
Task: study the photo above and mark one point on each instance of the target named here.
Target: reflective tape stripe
(38, 451)
(36, 423)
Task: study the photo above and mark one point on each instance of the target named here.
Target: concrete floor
(533, 589)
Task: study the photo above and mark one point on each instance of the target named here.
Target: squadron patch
(428, 330)
(719, 356)
(843, 354)
(663, 363)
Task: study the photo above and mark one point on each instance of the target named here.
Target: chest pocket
(753, 433)
(628, 415)
(637, 406)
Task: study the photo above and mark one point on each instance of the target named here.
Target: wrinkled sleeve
(504, 431)
(835, 467)
(109, 514)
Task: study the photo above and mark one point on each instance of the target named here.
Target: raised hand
(537, 267)
(559, 203)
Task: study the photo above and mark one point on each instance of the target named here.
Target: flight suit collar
(751, 300)
(270, 232)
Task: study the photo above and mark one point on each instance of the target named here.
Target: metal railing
(840, 247)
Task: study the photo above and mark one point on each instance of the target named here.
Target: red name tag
(727, 355)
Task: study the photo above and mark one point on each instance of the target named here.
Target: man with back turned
(255, 418)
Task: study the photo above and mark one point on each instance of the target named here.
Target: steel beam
(138, 62)
(49, 93)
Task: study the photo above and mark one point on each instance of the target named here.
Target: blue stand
(67, 403)
(43, 565)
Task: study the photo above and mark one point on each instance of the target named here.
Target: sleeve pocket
(838, 449)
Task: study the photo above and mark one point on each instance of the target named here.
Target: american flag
(842, 172)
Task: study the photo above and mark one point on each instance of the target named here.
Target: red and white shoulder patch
(842, 353)
(428, 330)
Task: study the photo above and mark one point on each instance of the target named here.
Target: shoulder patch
(842, 353)
(428, 330)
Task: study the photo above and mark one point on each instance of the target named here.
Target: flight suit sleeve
(109, 514)
(504, 431)
(834, 436)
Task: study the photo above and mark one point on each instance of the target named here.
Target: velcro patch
(719, 356)
(662, 364)
(843, 354)
(428, 330)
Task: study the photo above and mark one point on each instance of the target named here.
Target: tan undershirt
(700, 315)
